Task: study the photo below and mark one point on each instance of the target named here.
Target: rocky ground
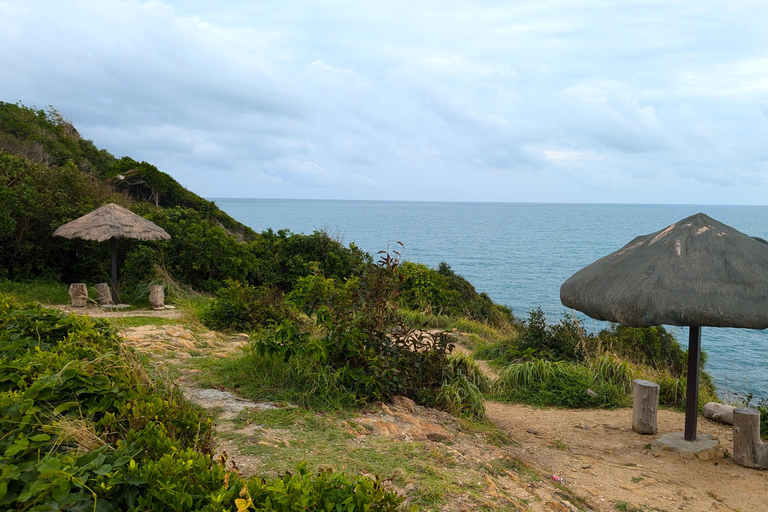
(558, 459)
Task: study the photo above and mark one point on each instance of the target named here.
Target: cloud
(473, 100)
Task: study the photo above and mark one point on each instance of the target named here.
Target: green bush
(375, 354)
(282, 258)
(325, 491)
(650, 346)
(463, 386)
(534, 338)
(443, 292)
(84, 427)
(566, 384)
(246, 308)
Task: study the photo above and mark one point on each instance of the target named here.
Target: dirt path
(600, 456)
(604, 464)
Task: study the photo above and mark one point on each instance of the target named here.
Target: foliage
(45, 137)
(567, 340)
(38, 200)
(243, 307)
(534, 338)
(326, 491)
(443, 292)
(566, 384)
(85, 427)
(302, 380)
(463, 386)
(200, 253)
(282, 258)
(375, 354)
(145, 182)
(651, 346)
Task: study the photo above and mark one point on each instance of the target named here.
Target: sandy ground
(596, 452)
(106, 312)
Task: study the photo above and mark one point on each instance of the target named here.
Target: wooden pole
(748, 450)
(645, 405)
(692, 393)
(115, 299)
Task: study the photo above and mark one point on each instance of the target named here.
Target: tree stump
(156, 296)
(78, 293)
(719, 412)
(103, 294)
(645, 405)
(748, 450)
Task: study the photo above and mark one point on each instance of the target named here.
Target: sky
(469, 100)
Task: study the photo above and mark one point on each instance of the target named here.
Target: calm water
(521, 253)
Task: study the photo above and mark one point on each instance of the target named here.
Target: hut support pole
(692, 393)
(113, 243)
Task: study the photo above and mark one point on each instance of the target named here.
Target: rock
(404, 404)
(719, 412)
(556, 507)
(403, 419)
(531, 431)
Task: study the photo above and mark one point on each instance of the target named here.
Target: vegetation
(564, 365)
(86, 427)
(443, 292)
(362, 338)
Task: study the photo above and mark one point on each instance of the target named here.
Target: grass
(281, 438)
(46, 292)
(138, 321)
(565, 384)
(299, 381)
(559, 445)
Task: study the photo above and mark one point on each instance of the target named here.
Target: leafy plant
(85, 427)
(363, 338)
(243, 307)
(567, 384)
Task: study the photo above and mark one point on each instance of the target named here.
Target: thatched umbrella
(109, 223)
(697, 272)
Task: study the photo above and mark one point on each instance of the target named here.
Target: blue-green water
(520, 253)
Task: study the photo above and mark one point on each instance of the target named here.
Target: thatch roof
(697, 272)
(112, 221)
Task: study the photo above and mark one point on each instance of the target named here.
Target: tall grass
(301, 380)
(46, 292)
(566, 384)
(462, 392)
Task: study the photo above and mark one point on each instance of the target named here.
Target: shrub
(566, 384)
(462, 391)
(376, 355)
(443, 292)
(326, 491)
(651, 346)
(246, 308)
(282, 258)
(86, 428)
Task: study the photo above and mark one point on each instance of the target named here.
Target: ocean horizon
(520, 253)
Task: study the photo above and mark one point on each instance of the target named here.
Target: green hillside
(50, 175)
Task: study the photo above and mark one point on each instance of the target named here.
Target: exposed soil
(117, 312)
(603, 464)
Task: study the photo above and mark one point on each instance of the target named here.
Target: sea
(520, 253)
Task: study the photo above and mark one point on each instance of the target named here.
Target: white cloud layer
(575, 101)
